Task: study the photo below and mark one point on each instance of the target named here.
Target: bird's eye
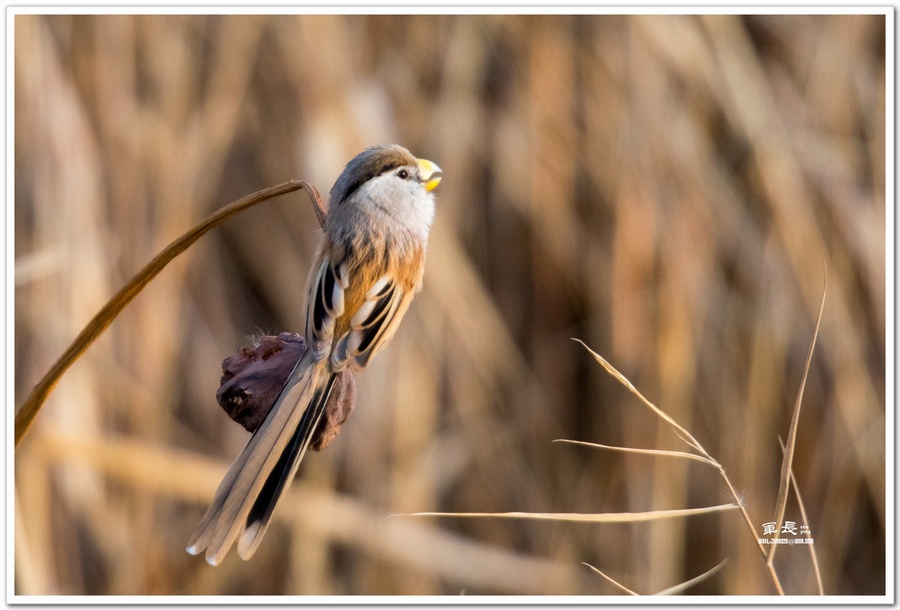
(403, 174)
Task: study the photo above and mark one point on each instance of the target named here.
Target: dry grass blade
(674, 590)
(660, 452)
(688, 438)
(683, 433)
(812, 548)
(781, 503)
(610, 579)
(652, 515)
(26, 415)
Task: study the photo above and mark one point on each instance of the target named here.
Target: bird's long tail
(244, 501)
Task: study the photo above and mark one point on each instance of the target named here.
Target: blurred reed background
(668, 189)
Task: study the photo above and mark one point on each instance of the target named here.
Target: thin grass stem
(688, 438)
(612, 580)
(787, 459)
(812, 550)
(679, 588)
(587, 517)
(658, 452)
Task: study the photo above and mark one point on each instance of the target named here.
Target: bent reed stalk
(26, 415)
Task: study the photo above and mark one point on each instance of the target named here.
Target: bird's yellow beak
(429, 174)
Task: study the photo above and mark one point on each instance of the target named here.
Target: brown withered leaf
(253, 377)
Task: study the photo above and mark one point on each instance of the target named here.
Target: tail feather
(209, 524)
(262, 457)
(261, 512)
(203, 533)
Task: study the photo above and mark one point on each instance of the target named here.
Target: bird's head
(391, 164)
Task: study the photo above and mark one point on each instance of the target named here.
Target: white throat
(402, 206)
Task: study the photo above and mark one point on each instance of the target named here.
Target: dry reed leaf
(805, 517)
(679, 429)
(691, 441)
(682, 433)
(615, 583)
(659, 452)
(673, 590)
(586, 517)
(679, 588)
(787, 460)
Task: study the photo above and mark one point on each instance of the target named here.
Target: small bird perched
(367, 269)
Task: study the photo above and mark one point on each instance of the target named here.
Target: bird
(367, 268)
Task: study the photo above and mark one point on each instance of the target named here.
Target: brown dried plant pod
(253, 378)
